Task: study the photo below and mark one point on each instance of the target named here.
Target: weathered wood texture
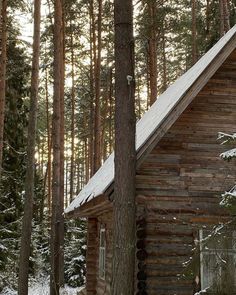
(103, 286)
(179, 185)
(91, 256)
(95, 284)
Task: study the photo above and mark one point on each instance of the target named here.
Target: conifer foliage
(229, 197)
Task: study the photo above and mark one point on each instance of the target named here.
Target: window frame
(211, 251)
(102, 253)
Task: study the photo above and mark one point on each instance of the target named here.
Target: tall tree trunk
(3, 57)
(147, 81)
(49, 146)
(57, 218)
(222, 25)
(30, 170)
(194, 33)
(110, 112)
(152, 49)
(224, 17)
(86, 160)
(208, 17)
(164, 74)
(123, 263)
(62, 157)
(97, 115)
(92, 52)
(138, 97)
(72, 168)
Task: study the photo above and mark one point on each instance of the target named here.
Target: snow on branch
(229, 198)
(228, 155)
(226, 137)
(202, 292)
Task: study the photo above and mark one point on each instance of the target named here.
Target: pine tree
(3, 56)
(125, 155)
(30, 170)
(57, 223)
(14, 162)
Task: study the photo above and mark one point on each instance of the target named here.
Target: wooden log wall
(103, 286)
(91, 256)
(180, 182)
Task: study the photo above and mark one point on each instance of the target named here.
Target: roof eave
(92, 208)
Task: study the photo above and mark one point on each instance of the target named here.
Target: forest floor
(42, 288)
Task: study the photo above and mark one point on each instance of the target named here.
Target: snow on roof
(150, 121)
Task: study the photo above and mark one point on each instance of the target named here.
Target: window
(218, 261)
(102, 253)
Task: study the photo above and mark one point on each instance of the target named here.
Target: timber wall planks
(103, 286)
(91, 256)
(179, 184)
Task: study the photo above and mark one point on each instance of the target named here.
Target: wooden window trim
(210, 251)
(102, 253)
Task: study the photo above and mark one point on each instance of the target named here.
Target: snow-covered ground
(42, 288)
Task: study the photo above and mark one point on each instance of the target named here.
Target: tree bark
(97, 115)
(123, 263)
(164, 74)
(57, 218)
(222, 29)
(208, 17)
(49, 146)
(110, 112)
(224, 17)
(152, 49)
(92, 52)
(62, 157)
(72, 168)
(3, 58)
(194, 33)
(30, 170)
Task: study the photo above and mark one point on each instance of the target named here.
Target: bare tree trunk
(49, 146)
(3, 58)
(72, 120)
(138, 97)
(92, 66)
(62, 160)
(110, 112)
(207, 17)
(97, 115)
(164, 83)
(57, 218)
(147, 82)
(224, 17)
(152, 50)
(86, 160)
(222, 29)
(194, 33)
(30, 170)
(123, 263)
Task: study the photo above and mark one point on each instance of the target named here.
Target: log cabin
(179, 181)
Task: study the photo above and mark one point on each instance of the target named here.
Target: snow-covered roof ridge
(150, 122)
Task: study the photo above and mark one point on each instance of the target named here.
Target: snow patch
(42, 288)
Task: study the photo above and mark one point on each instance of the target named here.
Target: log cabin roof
(161, 116)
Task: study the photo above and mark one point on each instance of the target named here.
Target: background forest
(170, 36)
